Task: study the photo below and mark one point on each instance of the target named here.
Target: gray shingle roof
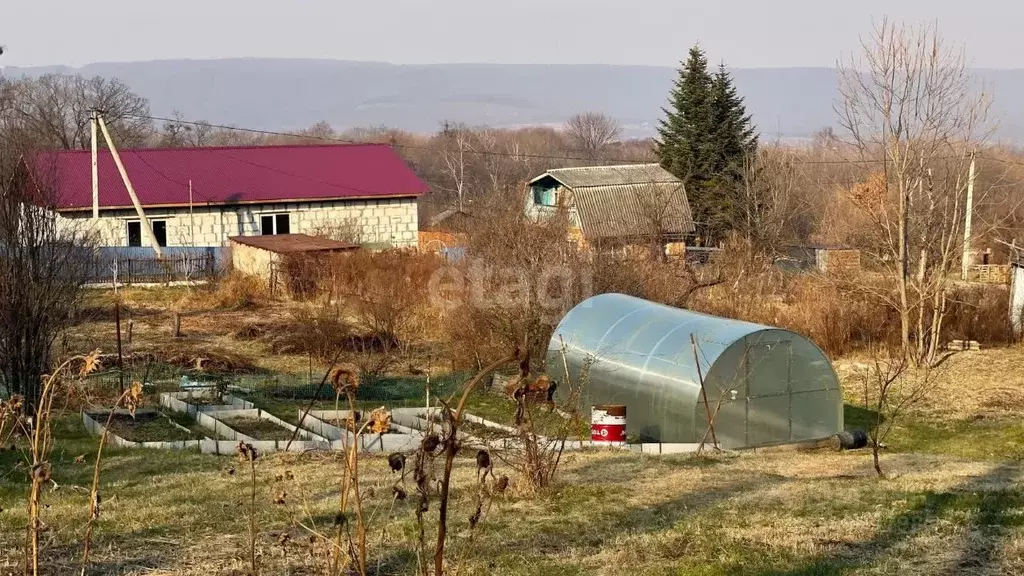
(629, 200)
(610, 175)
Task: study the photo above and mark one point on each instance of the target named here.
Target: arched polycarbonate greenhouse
(763, 385)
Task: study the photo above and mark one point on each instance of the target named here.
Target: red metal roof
(229, 175)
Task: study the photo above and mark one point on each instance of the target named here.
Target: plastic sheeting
(763, 385)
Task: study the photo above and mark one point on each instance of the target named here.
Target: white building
(199, 197)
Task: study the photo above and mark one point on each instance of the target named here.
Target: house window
(271, 224)
(543, 196)
(135, 232)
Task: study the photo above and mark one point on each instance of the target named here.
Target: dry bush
(519, 279)
(980, 313)
(348, 230)
(303, 274)
(842, 316)
(372, 308)
(838, 314)
(673, 282)
(387, 293)
(316, 329)
(236, 291)
(838, 318)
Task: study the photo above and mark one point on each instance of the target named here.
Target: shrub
(980, 313)
(238, 291)
(518, 280)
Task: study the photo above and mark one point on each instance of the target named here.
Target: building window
(135, 232)
(271, 224)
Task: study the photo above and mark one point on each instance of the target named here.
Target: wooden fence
(989, 273)
(152, 269)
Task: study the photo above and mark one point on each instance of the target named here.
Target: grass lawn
(952, 502)
(173, 512)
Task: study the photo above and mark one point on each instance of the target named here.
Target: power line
(493, 153)
(393, 144)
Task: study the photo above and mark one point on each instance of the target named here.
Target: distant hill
(286, 94)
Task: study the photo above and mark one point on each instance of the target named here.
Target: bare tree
(519, 280)
(771, 209)
(457, 147)
(54, 109)
(318, 133)
(43, 265)
(179, 133)
(592, 132)
(891, 389)
(909, 101)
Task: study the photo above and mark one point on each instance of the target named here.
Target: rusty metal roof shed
(293, 243)
(626, 200)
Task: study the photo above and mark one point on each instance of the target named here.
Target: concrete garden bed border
(179, 402)
(401, 437)
(416, 418)
(96, 428)
(211, 419)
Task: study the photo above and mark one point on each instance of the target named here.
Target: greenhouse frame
(762, 385)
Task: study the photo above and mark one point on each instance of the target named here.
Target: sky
(742, 33)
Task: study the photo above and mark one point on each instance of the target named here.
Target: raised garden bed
(258, 428)
(148, 429)
(201, 400)
(326, 423)
(145, 427)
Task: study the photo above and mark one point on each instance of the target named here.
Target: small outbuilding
(830, 259)
(625, 206)
(763, 385)
(267, 257)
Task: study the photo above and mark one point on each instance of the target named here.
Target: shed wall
(1017, 298)
(251, 260)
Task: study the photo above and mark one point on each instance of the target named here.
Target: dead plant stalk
(131, 398)
(451, 447)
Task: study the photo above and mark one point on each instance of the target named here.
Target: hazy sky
(745, 33)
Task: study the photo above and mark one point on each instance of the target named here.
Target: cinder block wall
(391, 220)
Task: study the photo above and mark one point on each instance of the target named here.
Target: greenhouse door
(768, 392)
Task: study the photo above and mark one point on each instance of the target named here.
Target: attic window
(545, 196)
(271, 224)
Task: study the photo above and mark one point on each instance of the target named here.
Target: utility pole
(966, 262)
(147, 229)
(191, 223)
(95, 168)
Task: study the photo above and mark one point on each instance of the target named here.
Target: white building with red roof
(199, 197)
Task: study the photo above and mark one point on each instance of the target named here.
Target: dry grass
(235, 291)
(610, 513)
(211, 335)
(979, 385)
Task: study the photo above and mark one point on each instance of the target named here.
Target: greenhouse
(762, 385)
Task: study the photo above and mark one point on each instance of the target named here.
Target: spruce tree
(684, 133)
(734, 134)
(704, 140)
